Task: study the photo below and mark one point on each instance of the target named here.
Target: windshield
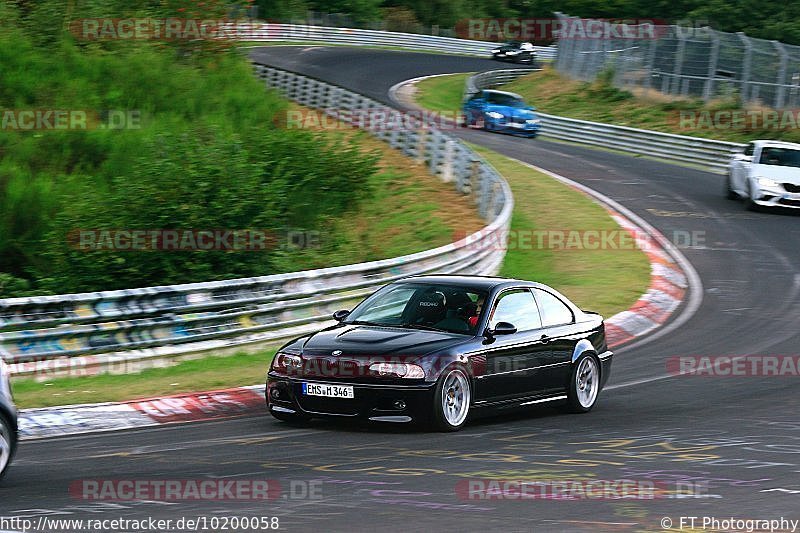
(505, 100)
(783, 157)
(449, 308)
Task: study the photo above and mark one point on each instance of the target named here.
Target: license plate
(517, 125)
(791, 196)
(329, 391)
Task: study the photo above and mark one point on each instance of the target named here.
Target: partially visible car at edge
(766, 174)
(8, 421)
(515, 51)
(501, 111)
(437, 349)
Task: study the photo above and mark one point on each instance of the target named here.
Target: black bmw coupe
(436, 349)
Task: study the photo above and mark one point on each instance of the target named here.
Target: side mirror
(341, 315)
(502, 328)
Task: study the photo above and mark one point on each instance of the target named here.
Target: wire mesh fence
(689, 62)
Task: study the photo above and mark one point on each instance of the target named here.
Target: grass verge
(600, 101)
(442, 93)
(208, 373)
(605, 280)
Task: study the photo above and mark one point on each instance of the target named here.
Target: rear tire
(584, 384)
(7, 445)
(451, 400)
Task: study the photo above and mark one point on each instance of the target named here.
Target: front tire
(749, 203)
(584, 384)
(451, 400)
(7, 445)
(730, 194)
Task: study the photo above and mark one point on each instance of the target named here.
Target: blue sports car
(501, 111)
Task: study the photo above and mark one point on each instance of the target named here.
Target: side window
(749, 149)
(517, 307)
(554, 311)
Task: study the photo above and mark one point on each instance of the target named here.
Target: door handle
(545, 339)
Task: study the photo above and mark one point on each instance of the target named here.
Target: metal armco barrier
(705, 153)
(266, 32)
(161, 321)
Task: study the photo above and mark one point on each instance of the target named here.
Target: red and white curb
(92, 418)
(668, 286)
(673, 279)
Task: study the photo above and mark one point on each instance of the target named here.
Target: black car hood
(378, 340)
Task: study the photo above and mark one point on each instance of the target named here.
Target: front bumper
(504, 56)
(516, 128)
(380, 403)
(769, 197)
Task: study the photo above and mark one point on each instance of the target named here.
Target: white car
(765, 173)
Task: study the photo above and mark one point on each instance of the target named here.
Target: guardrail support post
(447, 164)
(474, 178)
(422, 142)
(780, 97)
(748, 60)
(708, 90)
(674, 87)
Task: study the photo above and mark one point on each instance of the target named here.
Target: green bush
(206, 155)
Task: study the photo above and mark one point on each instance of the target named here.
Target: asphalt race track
(713, 446)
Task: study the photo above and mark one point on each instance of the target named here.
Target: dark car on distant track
(8, 421)
(515, 51)
(435, 349)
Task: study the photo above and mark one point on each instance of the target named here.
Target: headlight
(286, 362)
(766, 182)
(495, 115)
(401, 370)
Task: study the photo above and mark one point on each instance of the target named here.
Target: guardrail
(156, 322)
(709, 154)
(269, 32)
